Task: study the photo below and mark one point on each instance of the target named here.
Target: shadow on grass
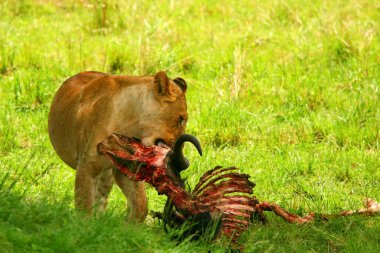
(45, 226)
(30, 225)
(42, 227)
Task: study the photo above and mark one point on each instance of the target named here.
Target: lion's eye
(182, 121)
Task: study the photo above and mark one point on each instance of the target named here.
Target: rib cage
(228, 193)
(222, 194)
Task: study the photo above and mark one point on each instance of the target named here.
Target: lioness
(90, 106)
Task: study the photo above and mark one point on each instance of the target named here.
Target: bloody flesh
(222, 194)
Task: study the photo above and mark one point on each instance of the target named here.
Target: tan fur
(90, 106)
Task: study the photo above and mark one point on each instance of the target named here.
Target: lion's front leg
(104, 183)
(136, 196)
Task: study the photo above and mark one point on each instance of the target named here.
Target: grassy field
(288, 91)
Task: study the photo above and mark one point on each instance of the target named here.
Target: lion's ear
(181, 83)
(161, 83)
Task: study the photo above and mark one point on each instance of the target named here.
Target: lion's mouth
(130, 154)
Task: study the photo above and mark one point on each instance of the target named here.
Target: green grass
(288, 91)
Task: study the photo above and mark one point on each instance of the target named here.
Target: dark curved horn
(179, 161)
